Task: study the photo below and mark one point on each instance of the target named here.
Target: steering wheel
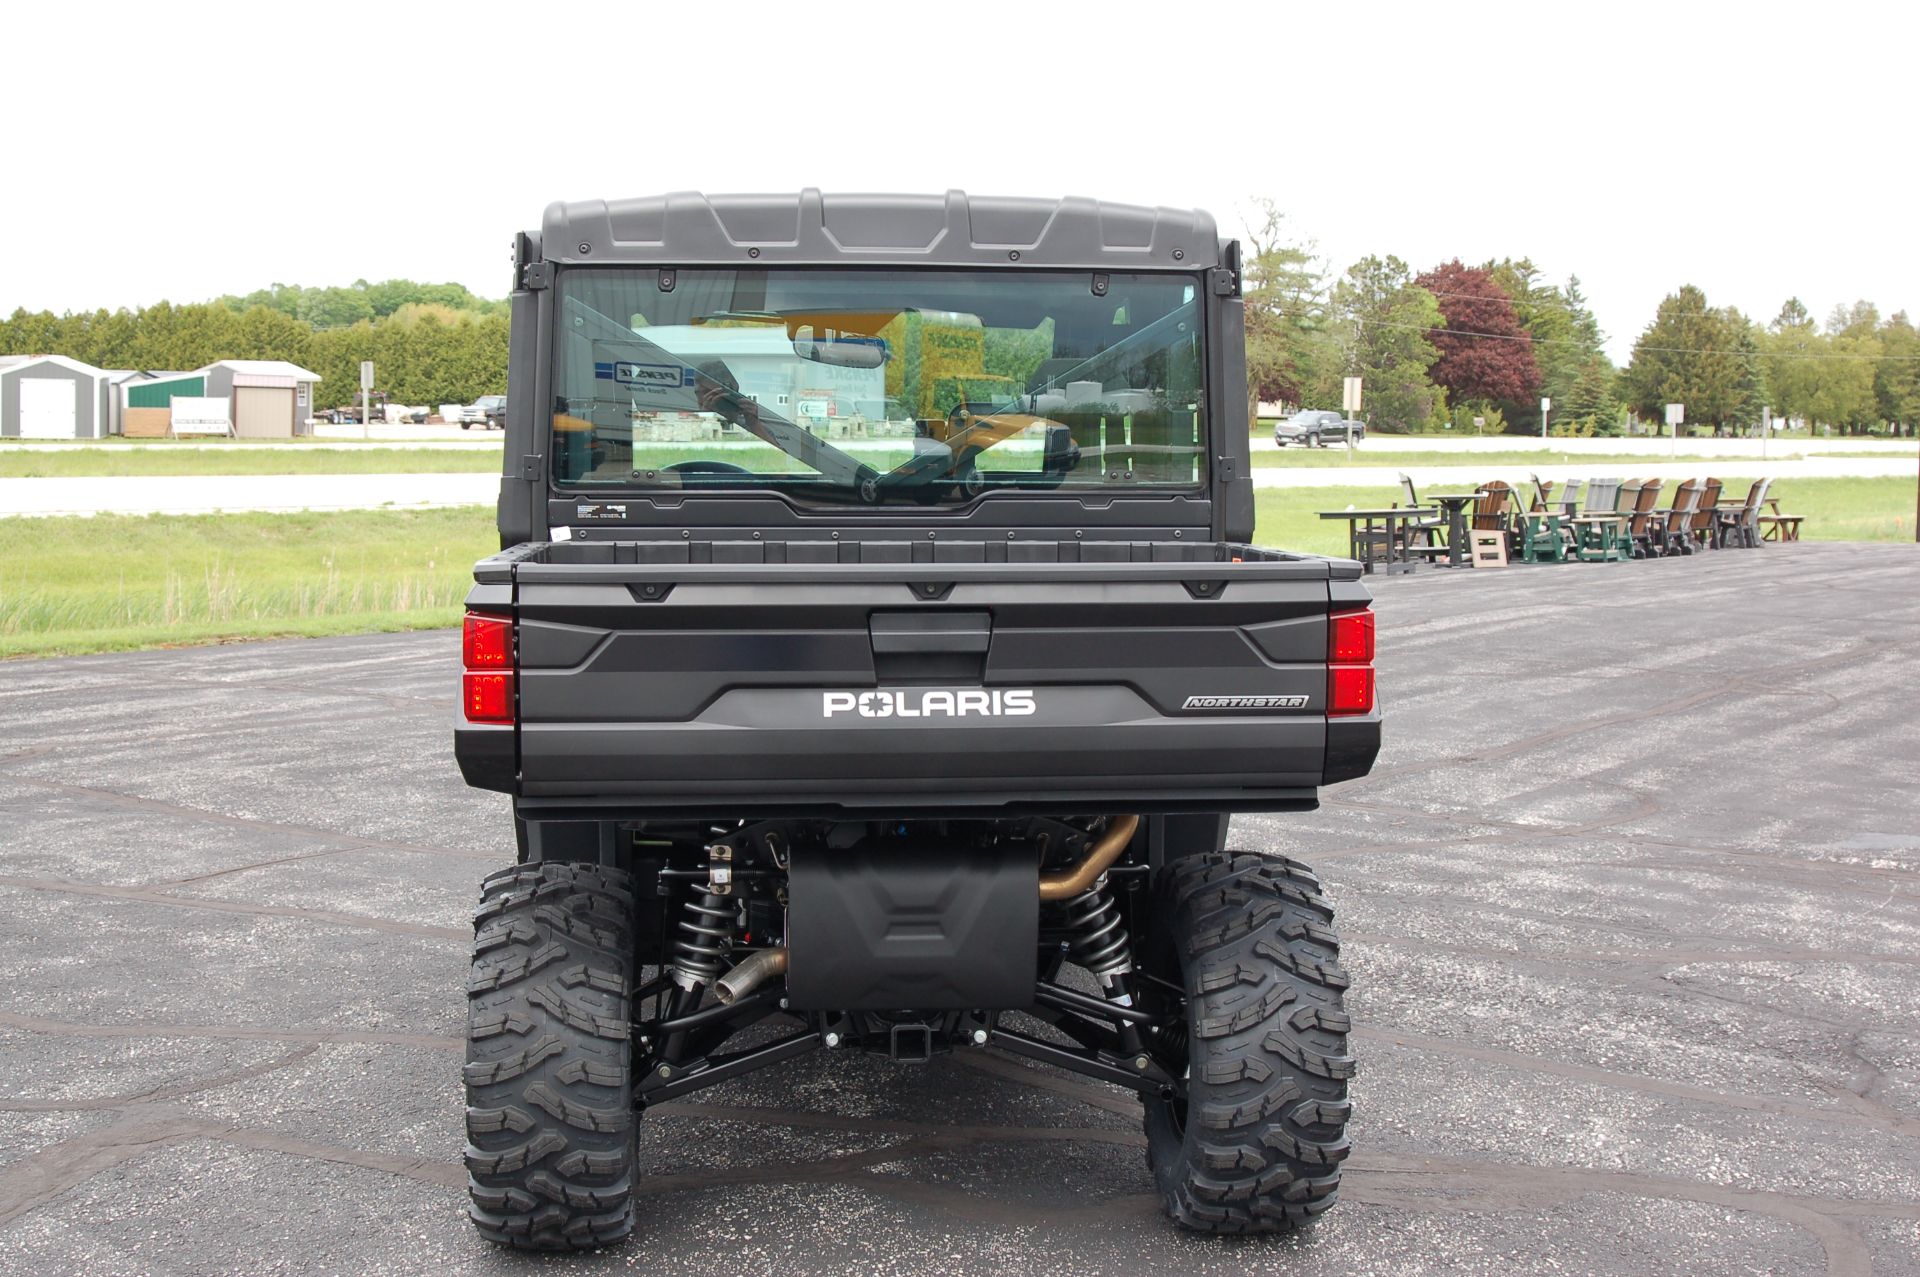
(706, 467)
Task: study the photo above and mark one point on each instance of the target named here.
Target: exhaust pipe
(1070, 883)
(750, 975)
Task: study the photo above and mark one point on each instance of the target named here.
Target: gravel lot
(1632, 909)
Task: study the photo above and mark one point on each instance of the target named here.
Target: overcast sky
(182, 151)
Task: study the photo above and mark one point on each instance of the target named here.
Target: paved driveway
(1632, 909)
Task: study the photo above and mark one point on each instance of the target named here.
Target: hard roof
(265, 368)
(809, 228)
(12, 363)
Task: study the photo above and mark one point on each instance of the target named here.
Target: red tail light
(486, 649)
(1349, 689)
(488, 698)
(486, 642)
(1349, 664)
(1350, 638)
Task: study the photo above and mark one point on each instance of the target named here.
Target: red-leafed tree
(1486, 353)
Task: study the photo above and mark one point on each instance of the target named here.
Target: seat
(1420, 530)
(1640, 524)
(1740, 526)
(1670, 526)
(1703, 530)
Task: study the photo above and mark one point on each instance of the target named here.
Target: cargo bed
(673, 678)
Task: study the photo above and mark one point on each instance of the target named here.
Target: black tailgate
(723, 688)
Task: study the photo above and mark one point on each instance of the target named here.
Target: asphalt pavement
(1631, 907)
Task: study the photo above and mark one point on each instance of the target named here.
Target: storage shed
(146, 407)
(272, 398)
(52, 397)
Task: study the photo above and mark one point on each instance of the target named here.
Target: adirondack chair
(1602, 495)
(1421, 533)
(1493, 512)
(1670, 525)
(1538, 534)
(1591, 541)
(1741, 525)
(1640, 526)
(1703, 531)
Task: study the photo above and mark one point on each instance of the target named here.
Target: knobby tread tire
(549, 1075)
(1258, 1143)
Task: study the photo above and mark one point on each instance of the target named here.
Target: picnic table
(1780, 527)
(1371, 530)
(1453, 507)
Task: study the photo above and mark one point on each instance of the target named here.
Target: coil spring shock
(699, 951)
(1097, 939)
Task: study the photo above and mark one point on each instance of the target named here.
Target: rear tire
(1256, 1146)
(549, 1073)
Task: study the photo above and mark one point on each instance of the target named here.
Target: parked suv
(897, 737)
(1313, 427)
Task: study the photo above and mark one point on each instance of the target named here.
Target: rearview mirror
(842, 350)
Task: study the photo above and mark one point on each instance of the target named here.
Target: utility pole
(366, 397)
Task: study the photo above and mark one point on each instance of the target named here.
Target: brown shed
(271, 398)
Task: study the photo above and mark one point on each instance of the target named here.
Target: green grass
(1331, 457)
(115, 460)
(154, 457)
(119, 582)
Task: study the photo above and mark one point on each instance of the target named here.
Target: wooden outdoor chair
(1741, 525)
(1539, 536)
(1703, 531)
(1588, 540)
(1492, 518)
(1421, 534)
(1671, 524)
(1640, 525)
(1602, 495)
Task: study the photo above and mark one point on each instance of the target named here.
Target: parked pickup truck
(488, 411)
(1314, 427)
(910, 728)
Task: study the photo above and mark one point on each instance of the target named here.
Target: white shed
(52, 397)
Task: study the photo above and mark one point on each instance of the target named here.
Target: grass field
(116, 582)
(153, 458)
(371, 459)
(1334, 458)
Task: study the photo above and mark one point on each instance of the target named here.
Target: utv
(874, 659)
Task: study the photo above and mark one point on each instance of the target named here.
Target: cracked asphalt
(1631, 906)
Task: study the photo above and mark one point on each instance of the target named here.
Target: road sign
(1350, 397)
(1676, 414)
(366, 374)
(1546, 405)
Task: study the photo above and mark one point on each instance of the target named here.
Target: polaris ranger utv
(874, 659)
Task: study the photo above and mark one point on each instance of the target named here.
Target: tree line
(1442, 347)
(1458, 342)
(430, 343)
